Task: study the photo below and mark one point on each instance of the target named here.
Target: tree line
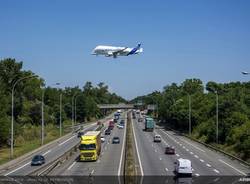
(28, 98)
(233, 112)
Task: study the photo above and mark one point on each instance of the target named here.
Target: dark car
(116, 140)
(79, 135)
(122, 122)
(169, 150)
(107, 131)
(38, 160)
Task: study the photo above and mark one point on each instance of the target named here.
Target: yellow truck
(90, 147)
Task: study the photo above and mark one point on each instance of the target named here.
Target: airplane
(111, 51)
(245, 73)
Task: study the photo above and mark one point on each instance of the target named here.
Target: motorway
(205, 162)
(50, 152)
(110, 162)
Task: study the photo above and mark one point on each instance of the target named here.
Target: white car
(120, 126)
(183, 167)
(157, 138)
(102, 139)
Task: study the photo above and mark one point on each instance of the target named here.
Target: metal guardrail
(247, 164)
(47, 168)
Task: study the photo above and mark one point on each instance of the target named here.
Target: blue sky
(182, 39)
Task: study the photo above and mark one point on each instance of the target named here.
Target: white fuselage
(114, 51)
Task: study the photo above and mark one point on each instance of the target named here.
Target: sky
(208, 39)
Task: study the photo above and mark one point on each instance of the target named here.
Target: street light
(12, 112)
(75, 106)
(189, 118)
(72, 111)
(217, 116)
(60, 121)
(43, 92)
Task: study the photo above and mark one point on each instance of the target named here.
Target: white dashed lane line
(196, 156)
(71, 165)
(201, 160)
(215, 170)
(46, 152)
(208, 165)
(194, 146)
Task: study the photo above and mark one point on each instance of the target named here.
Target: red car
(169, 150)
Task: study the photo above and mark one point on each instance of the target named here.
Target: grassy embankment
(29, 139)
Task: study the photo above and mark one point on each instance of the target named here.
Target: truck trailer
(149, 124)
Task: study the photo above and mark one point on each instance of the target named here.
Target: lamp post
(189, 115)
(217, 117)
(60, 114)
(42, 137)
(75, 106)
(72, 111)
(43, 92)
(12, 112)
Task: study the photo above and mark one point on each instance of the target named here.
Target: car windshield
(37, 157)
(87, 147)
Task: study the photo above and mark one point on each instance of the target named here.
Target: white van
(183, 167)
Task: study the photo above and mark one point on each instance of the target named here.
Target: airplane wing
(118, 51)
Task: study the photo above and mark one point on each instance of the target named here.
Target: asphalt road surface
(51, 152)
(110, 162)
(205, 162)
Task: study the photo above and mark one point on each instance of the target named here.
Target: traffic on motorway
(158, 152)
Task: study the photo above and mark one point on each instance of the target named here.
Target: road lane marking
(194, 146)
(191, 153)
(71, 165)
(66, 141)
(155, 150)
(187, 149)
(123, 143)
(215, 170)
(232, 167)
(201, 160)
(92, 172)
(177, 155)
(196, 156)
(166, 169)
(17, 169)
(139, 158)
(196, 174)
(46, 152)
(208, 165)
(160, 158)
